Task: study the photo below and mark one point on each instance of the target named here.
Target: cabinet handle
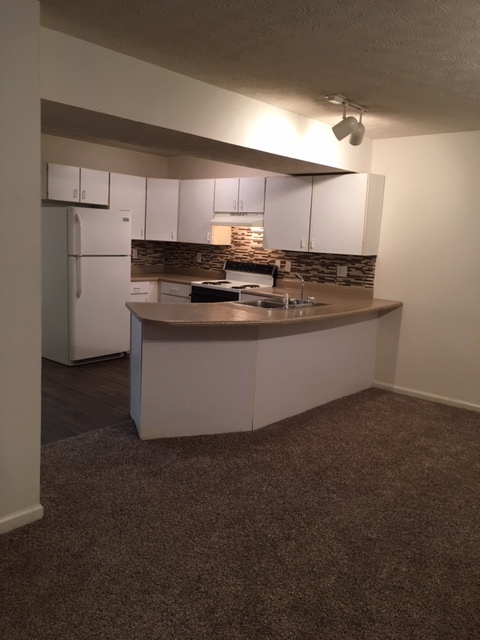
(303, 243)
(75, 193)
(83, 195)
(141, 233)
(209, 236)
(173, 235)
(241, 205)
(312, 244)
(78, 274)
(234, 205)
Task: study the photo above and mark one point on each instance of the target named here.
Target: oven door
(205, 294)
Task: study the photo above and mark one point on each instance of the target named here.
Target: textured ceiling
(413, 64)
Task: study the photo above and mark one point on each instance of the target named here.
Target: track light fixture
(348, 125)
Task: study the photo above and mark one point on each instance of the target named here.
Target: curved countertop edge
(232, 314)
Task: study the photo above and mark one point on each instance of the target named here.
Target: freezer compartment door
(98, 232)
(99, 322)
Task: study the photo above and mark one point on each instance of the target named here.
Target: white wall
(430, 259)
(185, 167)
(20, 264)
(105, 158)
(84, 75)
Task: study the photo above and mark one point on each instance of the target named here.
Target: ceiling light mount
(348, 125)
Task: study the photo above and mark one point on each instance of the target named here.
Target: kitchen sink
(264, 304)
(278, 304)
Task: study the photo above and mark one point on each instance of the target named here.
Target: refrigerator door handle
(78, 238)
(78, 275)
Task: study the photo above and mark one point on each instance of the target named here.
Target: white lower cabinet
(128, 193)
(195, 213)
(174, 293)
(145, 291)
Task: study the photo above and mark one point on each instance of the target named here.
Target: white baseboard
(427, 396)
(20, 518)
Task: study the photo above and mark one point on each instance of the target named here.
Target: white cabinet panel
(324, 214)
(128, 193)
(175, 289)
(65, 183)
(162, 209)
(287, 213)
(174, 293)
(346, 214)
(145, 291)
(239, 195)
(251, 195)
(94, 187)
(195, 212)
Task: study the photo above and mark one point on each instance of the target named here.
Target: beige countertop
(340, 302)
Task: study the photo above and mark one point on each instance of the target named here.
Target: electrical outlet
(288, 266)
(278, 263)
(134, 253)
(199, 257)
(341, 271)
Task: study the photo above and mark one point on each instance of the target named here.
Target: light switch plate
(342, 271)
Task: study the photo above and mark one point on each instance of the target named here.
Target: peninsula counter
(218, 368)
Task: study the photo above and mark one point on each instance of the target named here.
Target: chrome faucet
(297, 275)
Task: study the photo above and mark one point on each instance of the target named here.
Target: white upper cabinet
(195, 213)
(346, 213)
(324, 214)
(129, 193)
(162, 209)
(287, 213)
(75, 184)
(239, 195)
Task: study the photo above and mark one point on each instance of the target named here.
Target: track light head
(345, 127)
(357, 136)
(348, 126)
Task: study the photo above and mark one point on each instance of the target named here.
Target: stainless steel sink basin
(264, 304)
(278, 304)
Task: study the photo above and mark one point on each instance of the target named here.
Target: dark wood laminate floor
(82, 398)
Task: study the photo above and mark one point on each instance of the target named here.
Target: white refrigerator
(85, 284)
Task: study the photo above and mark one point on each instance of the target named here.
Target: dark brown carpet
(356, 520)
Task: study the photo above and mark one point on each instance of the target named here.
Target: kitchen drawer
(147, 291)
(175, 289)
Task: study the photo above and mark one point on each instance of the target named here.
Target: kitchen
(369, 198)
(428, 254)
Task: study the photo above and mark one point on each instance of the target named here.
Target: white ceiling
(414, 64)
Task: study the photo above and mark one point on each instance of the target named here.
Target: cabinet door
(162, 209)
(346, 213)
(287, 213)
(94, 187)
(251, 195)
(128, 193)
(63, 183)
(226, 195)
(195, 213)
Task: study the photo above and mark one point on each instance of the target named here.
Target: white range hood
(238, 219)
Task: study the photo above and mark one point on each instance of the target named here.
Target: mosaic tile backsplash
(247, 246)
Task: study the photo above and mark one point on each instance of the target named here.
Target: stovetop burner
(242, 275)
(245, 286)
(216, 282)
